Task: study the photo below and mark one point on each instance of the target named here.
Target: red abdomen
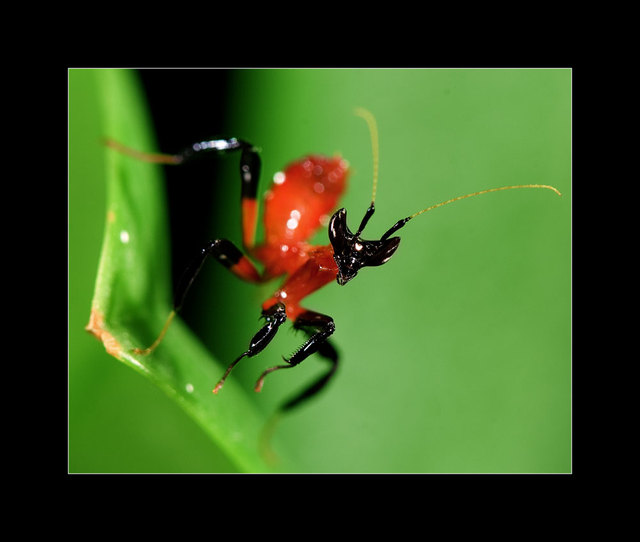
(302, 198)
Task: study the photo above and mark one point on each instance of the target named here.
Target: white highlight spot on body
(189, 387)
(292, 223)
(279, 177)
(124, 236)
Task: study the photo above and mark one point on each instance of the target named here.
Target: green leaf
(132, 296)
(456, 355)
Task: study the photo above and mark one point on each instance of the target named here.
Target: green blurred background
(456, 355)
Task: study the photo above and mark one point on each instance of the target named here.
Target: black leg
(250, 160)
(227, 254)
(274, 317)
(319, 327)
(250, 165)
(249, 171)
(322, 346)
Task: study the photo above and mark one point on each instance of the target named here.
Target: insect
(298, 203)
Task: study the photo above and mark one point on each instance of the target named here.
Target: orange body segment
(318, 269)
(302, 198)
(299, 202)
(249, 221)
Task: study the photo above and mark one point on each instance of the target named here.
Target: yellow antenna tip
(373, 132)
(555, 190)
(362, 112)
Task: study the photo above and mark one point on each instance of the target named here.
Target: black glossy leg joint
(224, 251)
(274, 317)
(313, 344)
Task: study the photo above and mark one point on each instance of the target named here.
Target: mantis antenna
(486, 192)
(402, 222)
(373, 132)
